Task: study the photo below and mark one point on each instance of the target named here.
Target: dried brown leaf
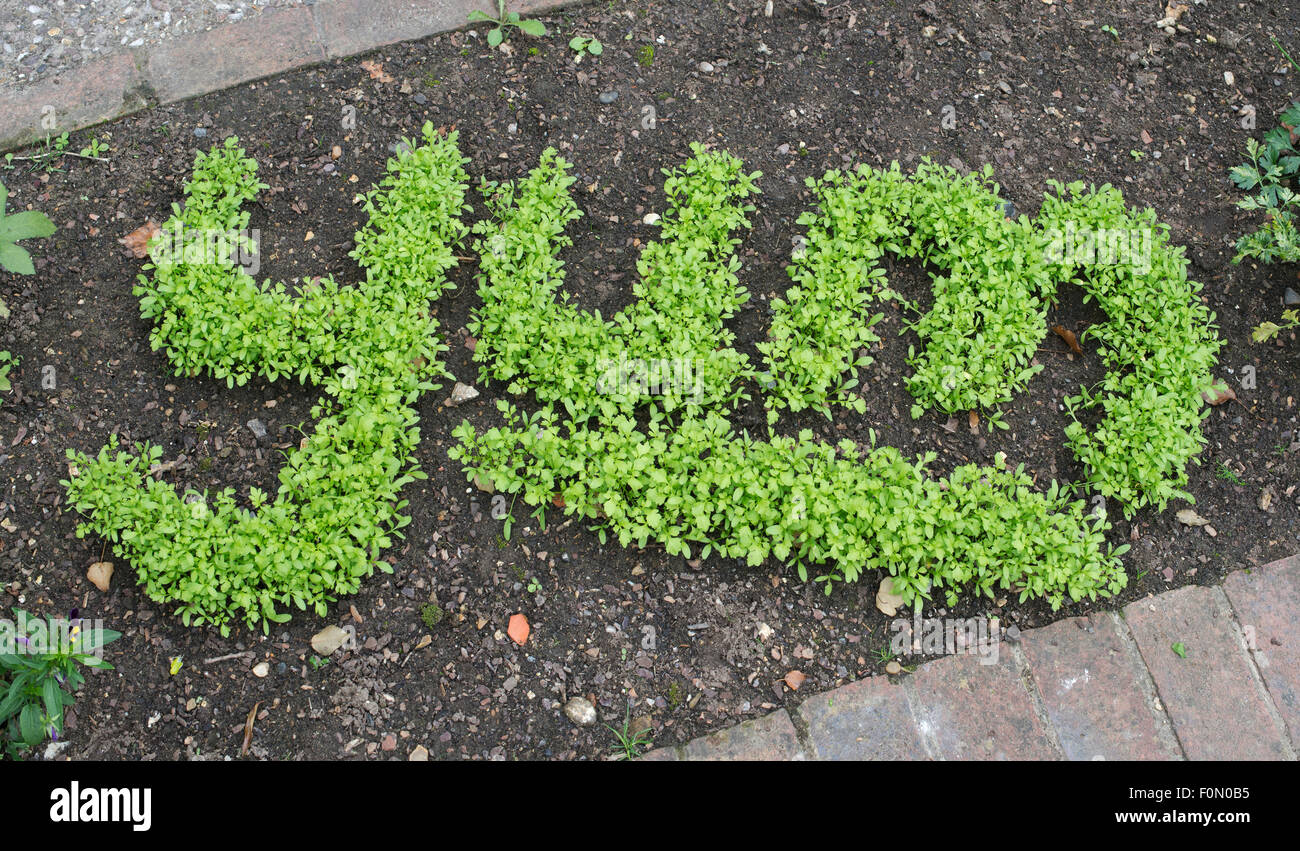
(137, 241)
(376, 71)
(1218, 393)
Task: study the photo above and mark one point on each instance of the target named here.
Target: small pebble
(608, 97)
(580, 711)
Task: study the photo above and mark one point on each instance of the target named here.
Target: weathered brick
(1217, 706)
(668, 753)
(979, 711)
(771, 737)
(1096, 692)
(1267, 602)
(869, 719)
(274, 41)
(349, 27)
(101, 89)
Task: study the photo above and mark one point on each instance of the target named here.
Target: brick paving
(1108, 686)
(188, 65)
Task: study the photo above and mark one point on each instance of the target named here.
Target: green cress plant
(988, 316)
(1158, 344)
(372, 348)
(668, 466)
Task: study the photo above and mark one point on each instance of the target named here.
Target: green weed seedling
(504, 21)
(586, 46)
(1271, 173)
(629, 745)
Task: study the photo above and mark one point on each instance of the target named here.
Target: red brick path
(1103, 687)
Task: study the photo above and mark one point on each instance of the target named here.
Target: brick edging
(274, 42)
(1108, 685)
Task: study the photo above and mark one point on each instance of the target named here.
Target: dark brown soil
(1039, 90)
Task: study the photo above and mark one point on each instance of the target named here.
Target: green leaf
(30, 727)
(15, 259)
(25, 225)
(494, 37)
(535, 28)
(53, 698)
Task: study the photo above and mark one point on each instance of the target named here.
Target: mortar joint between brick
(1289, 738)
(801, 729)
(320, 33)
(1036, 698)
(1164, 721)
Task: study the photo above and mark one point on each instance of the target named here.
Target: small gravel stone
(580, 711)
(460, 394)
(258, 428)
(1291, 298)
(608, 97)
